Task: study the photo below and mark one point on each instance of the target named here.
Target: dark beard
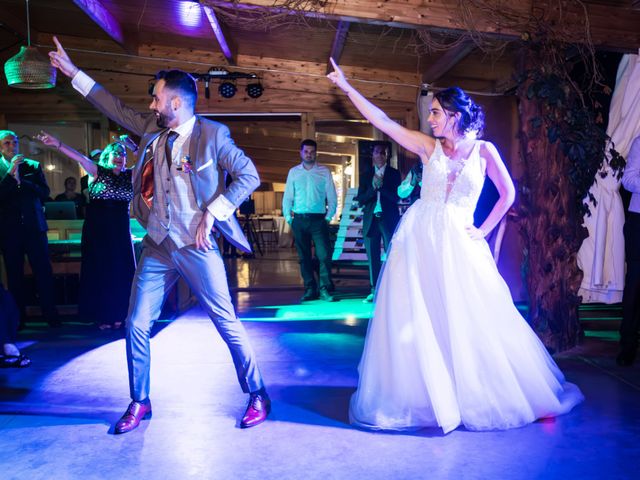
(165, 118)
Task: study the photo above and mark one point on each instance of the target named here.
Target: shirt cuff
(221, 208)
(83, 83)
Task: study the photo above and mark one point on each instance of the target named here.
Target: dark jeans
(631, 294)
(8, 318)
(306, 228)
(377, 233)
(35, 245)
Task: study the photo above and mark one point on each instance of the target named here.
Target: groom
(179, 195)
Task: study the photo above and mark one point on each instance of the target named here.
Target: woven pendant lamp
(29, 69)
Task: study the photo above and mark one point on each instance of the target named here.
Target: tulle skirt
(446, 345)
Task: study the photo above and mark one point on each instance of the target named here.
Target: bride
(446, 346)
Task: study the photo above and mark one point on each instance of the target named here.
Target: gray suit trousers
(158, 270)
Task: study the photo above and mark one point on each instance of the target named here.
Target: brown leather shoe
(257, 410)
(136, 412)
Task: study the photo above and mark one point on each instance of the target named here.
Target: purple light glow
(189, 14)
(217, 30)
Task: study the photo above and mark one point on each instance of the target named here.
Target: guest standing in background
(308, 204)
(108, 262)
(23, 228)
(378, 196)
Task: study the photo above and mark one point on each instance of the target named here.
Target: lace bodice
(465, 187)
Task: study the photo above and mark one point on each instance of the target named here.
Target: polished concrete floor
(56, 416)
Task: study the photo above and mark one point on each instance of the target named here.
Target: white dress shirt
(309, 191)
(379, 173)
(631, 176)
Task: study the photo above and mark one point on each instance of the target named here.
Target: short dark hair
(69, 178)
(384, 144)
(181, 82)
(308, 141)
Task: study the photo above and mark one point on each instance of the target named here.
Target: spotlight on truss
(227, 89)
(254, 90)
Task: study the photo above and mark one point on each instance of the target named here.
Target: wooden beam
(339, 40)
(288, 144)
(227, 46)
(97, 12)
(446, 62)
(278, 159)
(308, 126)
(622, 35)
(438, 14)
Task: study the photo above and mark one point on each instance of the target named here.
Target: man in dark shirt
(23, 228)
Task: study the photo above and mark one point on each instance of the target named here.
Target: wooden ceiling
(376, 43)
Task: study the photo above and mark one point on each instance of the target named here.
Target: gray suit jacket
(212, 152)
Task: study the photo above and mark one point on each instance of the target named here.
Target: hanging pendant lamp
(29, 69)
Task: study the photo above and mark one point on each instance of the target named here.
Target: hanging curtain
(601, 256)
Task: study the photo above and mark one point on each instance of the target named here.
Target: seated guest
(108, 262)
(10, 355)
(23, 228)
(70, 195)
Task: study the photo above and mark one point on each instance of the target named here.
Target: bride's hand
(475, 233)
(337, 76)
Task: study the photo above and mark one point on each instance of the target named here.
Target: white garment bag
(601, 256)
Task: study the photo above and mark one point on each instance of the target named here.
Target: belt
(308, 215)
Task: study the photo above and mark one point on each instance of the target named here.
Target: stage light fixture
(227, 89)
(254, 90)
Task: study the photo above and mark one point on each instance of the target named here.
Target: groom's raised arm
(99, 97)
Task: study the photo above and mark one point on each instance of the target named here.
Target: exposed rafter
(446, 62)
(444, 15)
(101, 16)
(338, 43)
(227, 46)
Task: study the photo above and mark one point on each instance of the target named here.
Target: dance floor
(56, 416)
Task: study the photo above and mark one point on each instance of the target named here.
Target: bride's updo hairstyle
(453, 100)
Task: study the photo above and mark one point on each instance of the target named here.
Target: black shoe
(626, 358)
(325, 295)
(309, 294)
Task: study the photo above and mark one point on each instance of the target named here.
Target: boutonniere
(185, 164)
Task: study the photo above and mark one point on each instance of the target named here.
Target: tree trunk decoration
(552, 231)
(563, 147)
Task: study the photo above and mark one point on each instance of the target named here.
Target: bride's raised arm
(413, 140)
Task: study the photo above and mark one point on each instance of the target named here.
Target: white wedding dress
(446, 346)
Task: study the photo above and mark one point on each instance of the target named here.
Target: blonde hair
(105, 156)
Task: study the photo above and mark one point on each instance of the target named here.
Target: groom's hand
(61, 60)
(203, 232)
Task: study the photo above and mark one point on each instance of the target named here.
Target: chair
(268, 232)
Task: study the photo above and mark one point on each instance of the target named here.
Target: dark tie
(146, 186)
(146, 181)
(168, 146)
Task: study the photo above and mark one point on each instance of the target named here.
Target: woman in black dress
(108, 261)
